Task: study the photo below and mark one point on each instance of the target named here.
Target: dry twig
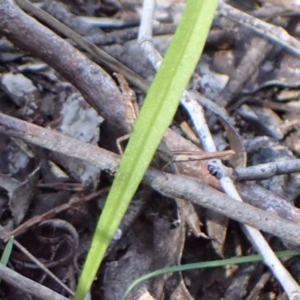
(168, 184)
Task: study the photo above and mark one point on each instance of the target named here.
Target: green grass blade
(155, 117)
(7, 252)
(208, 264)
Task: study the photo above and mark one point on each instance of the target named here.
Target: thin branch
(268, 170)
(172, 185)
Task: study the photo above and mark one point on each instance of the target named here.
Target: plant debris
(62, 113)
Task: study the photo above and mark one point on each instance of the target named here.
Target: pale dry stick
(145, 30)
(184, 187)
(268, 170)
(145, 34)
(287, 281)
(273, 33)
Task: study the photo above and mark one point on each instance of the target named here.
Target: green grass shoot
(155, 117)
(208, 264)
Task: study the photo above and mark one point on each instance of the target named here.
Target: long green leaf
(155, 117)
(208, 264)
